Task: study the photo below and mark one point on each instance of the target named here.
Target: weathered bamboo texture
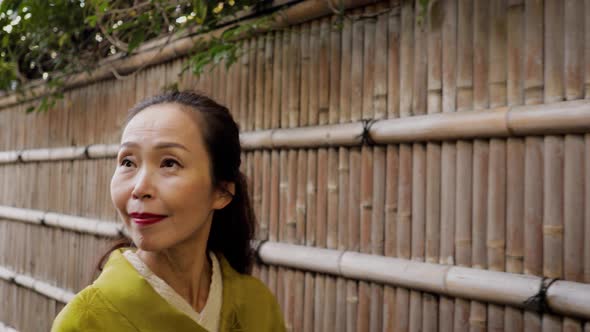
(482, 159)
(515, 152)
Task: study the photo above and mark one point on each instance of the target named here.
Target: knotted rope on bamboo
(569, 117)
(538, 302)
(564, 297)
(365, 136)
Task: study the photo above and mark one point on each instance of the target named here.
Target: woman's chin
(147, 243)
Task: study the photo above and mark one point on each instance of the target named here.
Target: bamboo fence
(409, 173)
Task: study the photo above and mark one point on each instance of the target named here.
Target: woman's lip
(147, 221)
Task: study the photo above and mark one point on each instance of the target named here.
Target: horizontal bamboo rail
(71, 223)
(6, 328)
(568, 117)
(41, 287)
(564, 297)
(153, 53)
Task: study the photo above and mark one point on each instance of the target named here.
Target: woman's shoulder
(246, 286)
(89, 310)
(254, 305)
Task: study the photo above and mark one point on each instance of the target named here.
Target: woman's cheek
(118, 193)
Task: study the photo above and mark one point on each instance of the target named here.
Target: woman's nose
(143, 188)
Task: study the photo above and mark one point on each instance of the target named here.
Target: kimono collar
(135, 298)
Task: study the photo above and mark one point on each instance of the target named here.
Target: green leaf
(200, 8)
(91, 20)
(63, 40)
(136, 39)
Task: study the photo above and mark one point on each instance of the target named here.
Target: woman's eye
(126, 163)
(170, 163)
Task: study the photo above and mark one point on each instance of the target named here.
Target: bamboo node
(496, 244)
(311, 189)
(300, 208)
(332, 188)
(478, 322)
(283, 185)
(553, 230)
(463, 242)
(405, 216)
(391, 208)
(291, 222)
(515, 256)
(366, 206)
(352, 299)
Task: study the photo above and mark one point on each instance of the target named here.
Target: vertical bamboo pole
(295, 111)
(449, 69)
(464, 150)
(355, 166)
(433, 158)
(404, 231)
(533, 200)
(515, 150)
(496, 211)
(553, 158)
(574, 148)
(404, 223)
(573, 216)
(275, 117)
(311, 283)
(307, 298)
(266, 154)
(290, 226)
(366, 207)
(292, 312)
(333, 190)
(343, 172)
(258, 105)
(587, 213)
(243, 100)
(281, 273)
(284, 123)
(379, 96)
(553, 218)
(587, 57)
(478, 314)
(407, 58)
(234, 90)
(321, 117)
(418, 226)
(392, 162)
(252, 77)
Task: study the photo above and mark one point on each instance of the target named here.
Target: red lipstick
(144, 219)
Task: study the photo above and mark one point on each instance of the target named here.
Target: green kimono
(121, 300)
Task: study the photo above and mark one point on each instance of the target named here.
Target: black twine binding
(257, 251)
(538, 302)
(86, 153)
(365, 136)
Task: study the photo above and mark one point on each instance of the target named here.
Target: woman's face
(162, 187)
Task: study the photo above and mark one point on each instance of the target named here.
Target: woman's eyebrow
(160, 145)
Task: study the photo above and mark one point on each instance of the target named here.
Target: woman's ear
(224, 195)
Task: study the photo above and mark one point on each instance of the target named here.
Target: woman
(185, 204)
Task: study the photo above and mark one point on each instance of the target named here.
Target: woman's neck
(185, 267)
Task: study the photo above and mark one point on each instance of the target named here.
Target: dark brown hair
(233, 227)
